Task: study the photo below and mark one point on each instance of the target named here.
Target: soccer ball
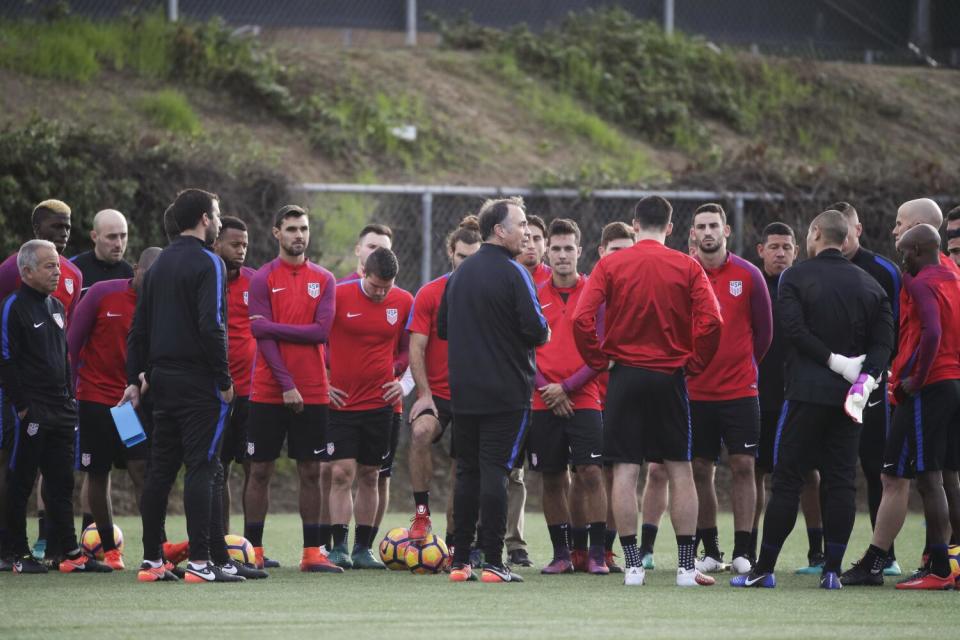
(240, 549)
(393, 548)
(90, 541)
(430, 556)
(953, 555)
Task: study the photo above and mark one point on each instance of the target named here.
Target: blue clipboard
(128, 424)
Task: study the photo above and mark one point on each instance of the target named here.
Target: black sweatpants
(189, 417)
(487, 448)
(873, 440)
(812, 436)
(51, 450)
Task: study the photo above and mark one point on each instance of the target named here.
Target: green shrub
(170, 110)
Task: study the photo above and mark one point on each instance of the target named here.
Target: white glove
(406, 382)
(849, 368)
(857, 397)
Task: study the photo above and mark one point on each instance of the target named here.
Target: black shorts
(444, 416)
(648, 416)
(733, 424)
(386, 468)
(920, 433)
(100, 446)
(234, 447)
(769, 421)
(555, 442)
(268, 425)
(363, 436)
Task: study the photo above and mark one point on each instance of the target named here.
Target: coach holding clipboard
(177, 347)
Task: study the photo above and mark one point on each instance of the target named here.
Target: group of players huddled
(323, 366)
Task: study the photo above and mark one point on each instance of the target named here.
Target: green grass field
(399, 605)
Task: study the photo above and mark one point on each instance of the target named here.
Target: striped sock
(631, 553)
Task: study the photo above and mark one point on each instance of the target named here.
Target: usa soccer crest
(32, 429)
(68, 284)
(736, 288)
(392, 316)
(246, 298)
(250, 448)
(330, 448)
(313, 289)
(85, 459)
(58, 319)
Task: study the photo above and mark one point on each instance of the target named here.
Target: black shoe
(270, 564)
(212, 573)
(859, 575)
(519, 557)
(247, 571)
(28, 565)
(494, 573)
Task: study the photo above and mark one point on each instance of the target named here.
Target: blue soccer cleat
(830, 580)
(754, 580)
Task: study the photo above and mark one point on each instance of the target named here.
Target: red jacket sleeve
(585, 320)
(706, 321)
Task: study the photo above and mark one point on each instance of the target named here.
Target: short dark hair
(776, 229)
(468, 232)
(232, 222)
(288, 211)
(382, 263)
(170, 226)
(954, 214)
(188, 208)
(617, 231)
(379, 229)
(494, 212)
(845, 208)
(534, 220)
(564, 227)
(711, 207)
(653, 212)
(833, 225)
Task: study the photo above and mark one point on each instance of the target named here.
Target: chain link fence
(889, 31)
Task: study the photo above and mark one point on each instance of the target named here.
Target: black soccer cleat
(860, 575)
(28, 565)
(212, 573)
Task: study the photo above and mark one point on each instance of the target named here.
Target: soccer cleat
(149, 573)
(28, 565)
(709, 564)
(830, 580)
(175, 570)
(247, 571)
(580, 560)
(315, 560)
(859, 575)
(114, 560)
(340, 557)
(647, 561)
(814, 566)
(493, 574)
(597, 562)
(612, 564)
(39, 550)
(6, 565)
(364, 558)
(421, 527)
(270, 564)
(693, 578)
(558, 566)
(892, 568)
(519, 557)
(212, 573)
(83, 564)
(927, 581)
(176, 552)
(462, 573)
(634, 577)
(741, 565)
(754, 580)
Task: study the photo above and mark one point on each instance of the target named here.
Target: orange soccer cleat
(114, 560)
(421, 526)
(315, 560)
(176, 552)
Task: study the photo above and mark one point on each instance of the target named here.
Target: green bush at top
(169, 109)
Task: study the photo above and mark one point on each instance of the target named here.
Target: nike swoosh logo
(206, 574)
(229, 569)
(747, 446)
(113, 315)
(888, 465)
(749, 583)
(37, 325)
(317, 452)
(595, 455)
(275, 290)
(385, 456)
(353, 315)
(873, 404)
(544, 306)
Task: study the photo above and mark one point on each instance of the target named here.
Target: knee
(702, 471)
(369, 477)
(742, 467)
(929, 483)
(656, 474)
(556, 483)
(309, 473)
(260, 474)
(422, 432)
(341, 476)
(589, 478)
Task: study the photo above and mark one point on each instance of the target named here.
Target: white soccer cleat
(706, 564)
(693, 578)
(634, 577)
(741, 565)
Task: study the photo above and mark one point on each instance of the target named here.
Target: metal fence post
(668, 17)
(738, 215)
(426, 237)
(173, 10)
(411, 23)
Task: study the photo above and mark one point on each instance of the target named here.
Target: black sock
(558, 537)
(833, 556)
(741, 544)
(648, 537)
(253, 531)
(340, 532)
(325, 536)
(891, 554)
(609, 538)
(311, 535)
(631, 554)
(874, 559)
(373, 535)
(815, 538)
(42, 524)
(422, 498)
(86, 522)
(449, 540)
(685, 552)
(939, 563)
(768, 558)
(579, 535)
(597, 532)
(711, 541)
(361, 535)
(107, 540)
(754, 536)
